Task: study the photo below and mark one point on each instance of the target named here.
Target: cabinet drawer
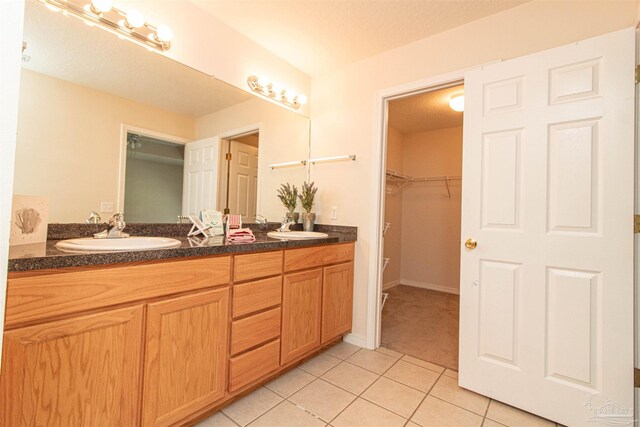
(253, 330)
(256, 296)
(254, 266)
(298, 259)
(46, 295)
(253, 365)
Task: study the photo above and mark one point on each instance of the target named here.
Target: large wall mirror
(108, 126)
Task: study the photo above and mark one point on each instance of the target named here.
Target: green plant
(288, 195)
(307, 196)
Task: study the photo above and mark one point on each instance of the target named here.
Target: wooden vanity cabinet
(82, 371)
(185, 356)
(301, 311)
(337, 300)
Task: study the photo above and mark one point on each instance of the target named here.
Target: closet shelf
(403, 179)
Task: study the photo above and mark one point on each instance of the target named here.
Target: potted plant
(288, 195)
(307, 196)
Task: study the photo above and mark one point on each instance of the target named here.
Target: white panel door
(243, 180)
(200, 176)
(546, 297)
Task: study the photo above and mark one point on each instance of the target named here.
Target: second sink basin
(297, 235)
(125, 244)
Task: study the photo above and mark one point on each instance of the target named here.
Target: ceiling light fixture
(276, 91)
(456, 102)
(129, 24)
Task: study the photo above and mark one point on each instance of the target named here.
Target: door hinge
(636, 224)
(228, 157)
(637, 74)
(636, 377)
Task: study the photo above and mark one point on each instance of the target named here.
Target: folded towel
(240, 235)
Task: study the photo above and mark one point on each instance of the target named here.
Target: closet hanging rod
(351, 157)
(407, 178)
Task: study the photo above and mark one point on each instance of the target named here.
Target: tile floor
(422, 323)
(347, 386)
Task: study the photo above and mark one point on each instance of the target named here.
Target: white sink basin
(124, 244)
(296, 235)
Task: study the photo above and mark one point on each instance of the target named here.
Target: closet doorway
(421, 238)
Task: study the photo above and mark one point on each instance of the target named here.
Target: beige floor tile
(350, 377)
(394, 396)
(319, 364)
(514, 417)
(252, 406)
(322, 399)
(342, 350)
(287, 384)
(413, 376)
(434, 412)
(422, 363)
(372, 360)
(365, 414)
(287, 414)
(450, 373)
(410, 424)
(447, 389)
(488, 423)
(217, 420)
(389, 352)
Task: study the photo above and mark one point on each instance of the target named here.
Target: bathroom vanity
(166, 341)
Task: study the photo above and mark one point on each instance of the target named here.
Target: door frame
(122, 161)
(374, 316)
(235, 133)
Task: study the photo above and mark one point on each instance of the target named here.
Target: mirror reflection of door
(153, 180)
(240, 176)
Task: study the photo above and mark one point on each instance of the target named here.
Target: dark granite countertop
(47, 256)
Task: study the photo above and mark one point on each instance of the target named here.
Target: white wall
(283, 137)
(430, 219)
(69, 143)
(11, 20)
(344, 102)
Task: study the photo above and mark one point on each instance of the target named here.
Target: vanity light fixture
(276, 91)
(456, 102)
(130, 24)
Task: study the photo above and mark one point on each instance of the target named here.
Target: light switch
(334, 212)
(106, 207)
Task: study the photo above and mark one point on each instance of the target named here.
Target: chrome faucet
(114, 228)
(286, 223)
(261, 219)
(94, 218)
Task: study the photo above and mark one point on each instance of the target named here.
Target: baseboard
(356, 339)
(391, 284)
(430, 286)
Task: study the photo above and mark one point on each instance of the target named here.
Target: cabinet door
(82, 371)
(337, 300)
(301, 306)
(185, 358)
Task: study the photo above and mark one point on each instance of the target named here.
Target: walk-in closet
(422, 226)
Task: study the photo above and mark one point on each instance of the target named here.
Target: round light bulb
(102, 5)
(277, 90)
(290, 95)
(263, 81)
(302, 99)
(457, 103)
(164, 33)
(135, 19)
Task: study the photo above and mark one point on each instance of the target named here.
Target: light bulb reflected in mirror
(101, 6)
(302, 99)
(164, 33)
(456, 102)
(135, 18)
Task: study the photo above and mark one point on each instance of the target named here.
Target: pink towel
(240, 235)
(234, 221)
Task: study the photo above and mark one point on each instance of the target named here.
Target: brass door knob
(470, 244)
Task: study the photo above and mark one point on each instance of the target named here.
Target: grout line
(457, 406)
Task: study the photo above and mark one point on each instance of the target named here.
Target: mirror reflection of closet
(238, 176)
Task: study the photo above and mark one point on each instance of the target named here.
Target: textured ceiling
(318, 35)
(425, 111)
(67, 49)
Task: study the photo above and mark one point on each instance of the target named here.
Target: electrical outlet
(334, 212)
(106, 207)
